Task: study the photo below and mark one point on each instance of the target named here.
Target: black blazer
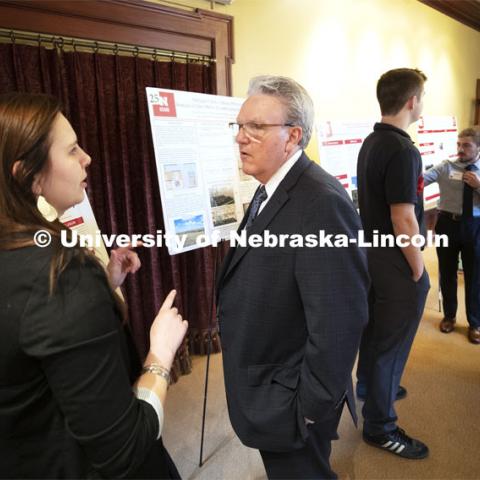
(291, 318)
(66, 404)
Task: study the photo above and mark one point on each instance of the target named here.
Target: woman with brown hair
(67, 407)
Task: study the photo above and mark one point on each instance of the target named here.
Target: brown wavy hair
(26, 121)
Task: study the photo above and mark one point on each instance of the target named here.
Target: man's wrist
(417, 273)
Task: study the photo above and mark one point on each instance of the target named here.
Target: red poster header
(443, 130)
(331, 143)
(74, 222)
(165, 106)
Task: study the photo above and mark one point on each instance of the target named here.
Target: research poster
(339, 144)
(437, 141)
(203, 189)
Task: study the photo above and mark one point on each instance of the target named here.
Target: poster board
(339, 143)
(203, 189)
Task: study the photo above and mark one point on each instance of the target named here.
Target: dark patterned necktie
(259, 197)
(467, 208)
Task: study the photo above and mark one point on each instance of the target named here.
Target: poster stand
(209, 351)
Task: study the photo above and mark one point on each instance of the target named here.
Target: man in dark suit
(290, 317)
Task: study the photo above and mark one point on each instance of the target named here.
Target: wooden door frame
(134, 22)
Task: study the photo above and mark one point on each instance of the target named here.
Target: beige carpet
(442, 409)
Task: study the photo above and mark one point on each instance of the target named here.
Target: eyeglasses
(254, 130)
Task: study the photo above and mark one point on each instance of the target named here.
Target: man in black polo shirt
(390, 194)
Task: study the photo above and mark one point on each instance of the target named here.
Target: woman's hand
(123, 261)
(167, 333)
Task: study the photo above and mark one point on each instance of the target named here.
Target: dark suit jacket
(291, 318)
(66, 404)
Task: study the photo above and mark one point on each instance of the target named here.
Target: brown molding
(134, 22)
(224, 43)
(465, 11)
(477, 104)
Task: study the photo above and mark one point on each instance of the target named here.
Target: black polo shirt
(389, 171)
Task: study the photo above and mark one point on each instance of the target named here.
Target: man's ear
(411, 102)
(295, 135)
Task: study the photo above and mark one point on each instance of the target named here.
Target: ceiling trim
(465, 11)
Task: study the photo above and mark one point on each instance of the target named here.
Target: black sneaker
(362, 393)
(398, 443)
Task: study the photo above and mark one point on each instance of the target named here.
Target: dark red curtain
(104, 98)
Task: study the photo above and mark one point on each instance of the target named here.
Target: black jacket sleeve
(77, 336)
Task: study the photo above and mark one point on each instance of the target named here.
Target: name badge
(455, 175)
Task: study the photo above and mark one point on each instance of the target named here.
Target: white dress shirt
(278, 176)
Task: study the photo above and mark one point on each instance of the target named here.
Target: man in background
(390, 193)
(459, 219)
(290, 318)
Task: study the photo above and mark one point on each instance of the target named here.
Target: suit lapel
(261, 222)
(231, 251)
(266, 216)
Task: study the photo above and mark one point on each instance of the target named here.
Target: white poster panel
(80, 219)
(437, 141)
(203, 189)
(339, 144)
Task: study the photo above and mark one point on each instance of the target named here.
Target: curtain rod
(185, 6)
(62, 41)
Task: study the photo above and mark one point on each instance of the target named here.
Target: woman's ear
(15, 167)
(36, 185)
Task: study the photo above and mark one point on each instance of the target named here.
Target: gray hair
(300, 110)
